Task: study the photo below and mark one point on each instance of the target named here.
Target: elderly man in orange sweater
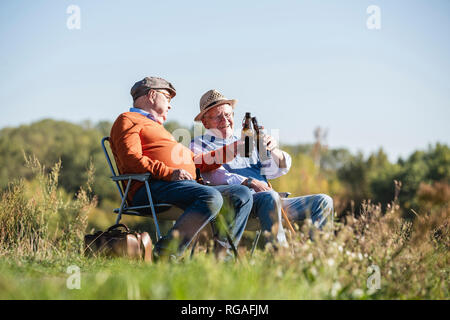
(141, 144)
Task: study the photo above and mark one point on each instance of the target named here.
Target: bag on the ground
(119, 241)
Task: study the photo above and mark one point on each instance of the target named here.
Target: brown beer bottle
(199, 178)
(263, 152)
(247, 135)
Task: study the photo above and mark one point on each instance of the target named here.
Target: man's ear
(205, 123)
(151, 96)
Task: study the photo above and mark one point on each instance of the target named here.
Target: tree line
(419, 183)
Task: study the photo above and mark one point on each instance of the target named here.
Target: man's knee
(326, 201)
(272, 196)
(326, 210)
(213, 199)
(241, 194)
(269, 199)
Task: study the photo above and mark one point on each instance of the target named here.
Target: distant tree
(104, 127)
(354, 176)
(184, 136)
(374, 178)
(334, 159)
(320, 144)
(381, 175)
(425, 175)
(426, 167)
(51, 140)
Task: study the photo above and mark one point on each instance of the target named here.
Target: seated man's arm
(271, 168)
(127, 149)
(279, 158)
(279, 163)
(212, 160)
(220, 175)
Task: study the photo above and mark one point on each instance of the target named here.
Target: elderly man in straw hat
(217, 116)
(141, 144)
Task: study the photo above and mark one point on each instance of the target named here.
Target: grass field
(331, 267)
(41, 236)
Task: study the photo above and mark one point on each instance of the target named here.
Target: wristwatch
(248, 183)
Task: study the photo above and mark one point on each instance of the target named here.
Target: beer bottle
(199, 178)
(247, 135)
(263, 152)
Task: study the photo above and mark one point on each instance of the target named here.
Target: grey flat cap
(142, 87)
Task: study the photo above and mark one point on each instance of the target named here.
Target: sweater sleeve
(127, 149)
(219, 175)
(214, 159)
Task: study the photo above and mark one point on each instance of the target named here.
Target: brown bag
(118, 243)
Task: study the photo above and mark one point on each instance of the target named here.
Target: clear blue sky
(295, 64)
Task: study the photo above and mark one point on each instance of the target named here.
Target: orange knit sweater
(141, 145)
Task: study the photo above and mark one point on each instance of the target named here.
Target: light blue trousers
(317, 207)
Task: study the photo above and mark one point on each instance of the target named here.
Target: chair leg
(255, 242)
(155, 219)
(233, 247)
(229, 239)
(118, 218)
(194, 245)
(124, 199)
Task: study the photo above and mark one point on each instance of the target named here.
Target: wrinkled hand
(270, 142)
(180, 174)
(259, 186)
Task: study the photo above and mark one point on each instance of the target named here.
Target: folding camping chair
(160, 211)
(164, 211)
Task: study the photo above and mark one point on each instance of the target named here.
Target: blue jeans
(266, 204)
(201, 204)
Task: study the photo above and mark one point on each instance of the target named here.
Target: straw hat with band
(211, 99)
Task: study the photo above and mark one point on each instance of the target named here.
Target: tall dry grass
(412, 255)
(38, 219)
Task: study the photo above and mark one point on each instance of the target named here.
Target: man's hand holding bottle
(256, 185)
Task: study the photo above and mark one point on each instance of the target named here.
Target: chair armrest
(137, 176)
(284, 194)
